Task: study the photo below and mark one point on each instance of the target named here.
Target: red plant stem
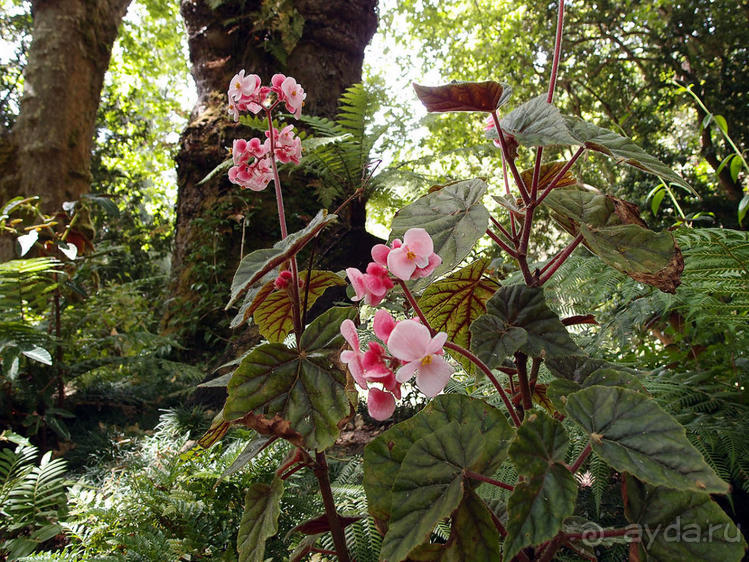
(336, 529)
(557, 52)
(502, 229)
(501, 244)
(581, 459)
(547, 555)
(292, 470)
(559, 175)
(498, 524)
(488, 372)
(510, 161)
(323, 551)
(536, 173)
(525, 390)
(559, 259)
(298, 328)
(509, 194)
(464, 352)
(533, 376)
(492, 481)
(579, 319)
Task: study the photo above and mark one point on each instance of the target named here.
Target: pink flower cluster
(409, 259)
(411, 351)
(246, 93)
(256, 174)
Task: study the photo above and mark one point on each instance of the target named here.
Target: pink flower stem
(464, 352)
(581, 459)
(510, 161)
(492, 481)
(558, 260)
(559, 175)
(334, 520)
(557, 52)
(298, 328)
(501, 244)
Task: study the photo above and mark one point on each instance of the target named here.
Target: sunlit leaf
(547, 173)
(537, 123)
(26, 242)
(453, 216)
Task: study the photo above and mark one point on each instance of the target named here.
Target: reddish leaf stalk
(560, 175)
(535, 366)
(536, 173)
(498, 524)
(336, 529)
(581, 459)
(298, 328)
(559, 259)
(557, 52)
(502, 229)
(509, 194)
(551, 548)
(510, 161)
(498, 242)
(492, 481)
(525, 391)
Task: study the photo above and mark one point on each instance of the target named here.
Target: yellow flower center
(410, 255)
(426, 360)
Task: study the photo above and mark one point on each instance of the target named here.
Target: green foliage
(260, 519)
(32, 497)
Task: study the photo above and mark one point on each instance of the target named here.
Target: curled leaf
(463, 96)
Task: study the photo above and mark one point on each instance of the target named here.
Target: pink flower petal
(348, 331)
(380, 254)
(409, 340)
(432, 377)
(437, 343)
(356, 278)
(419, 242)
(400, 265)
(407, 371)
(381, 404)
(383, 324)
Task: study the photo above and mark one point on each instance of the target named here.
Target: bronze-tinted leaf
(463, 96)
(276, 426)
(549, 172)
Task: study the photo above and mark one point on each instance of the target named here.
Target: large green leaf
(537, 508)
(453, 216)
(613, 230)
(537, 123)
(262, 506)
(294, 392)
(430, 483)
(631, 433)
(256, 264)
(452, 303)
(274, 316)
(540, 503)
(518, 319)
(473, 536)
(681, 525)
(622, 149)
(383, 456)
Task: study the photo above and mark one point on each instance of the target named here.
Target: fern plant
(32, 499)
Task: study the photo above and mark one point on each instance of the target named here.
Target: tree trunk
(325, 60)
(49, 150)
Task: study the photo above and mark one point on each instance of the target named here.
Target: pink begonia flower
(288, 147)
(413, 258)
(294, 96)
(383, 324)
(411, 342)
(255, 176)
(380, 254)
(275, 84)
(283, 279)
(371, 286)
(353, 357)
(380, 404)
(245, 94)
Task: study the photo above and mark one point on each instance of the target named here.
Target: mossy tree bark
(326, 59)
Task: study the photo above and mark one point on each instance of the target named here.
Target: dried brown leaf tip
(462, 96)
(666, 279)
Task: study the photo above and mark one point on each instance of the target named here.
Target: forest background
(116, 311)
